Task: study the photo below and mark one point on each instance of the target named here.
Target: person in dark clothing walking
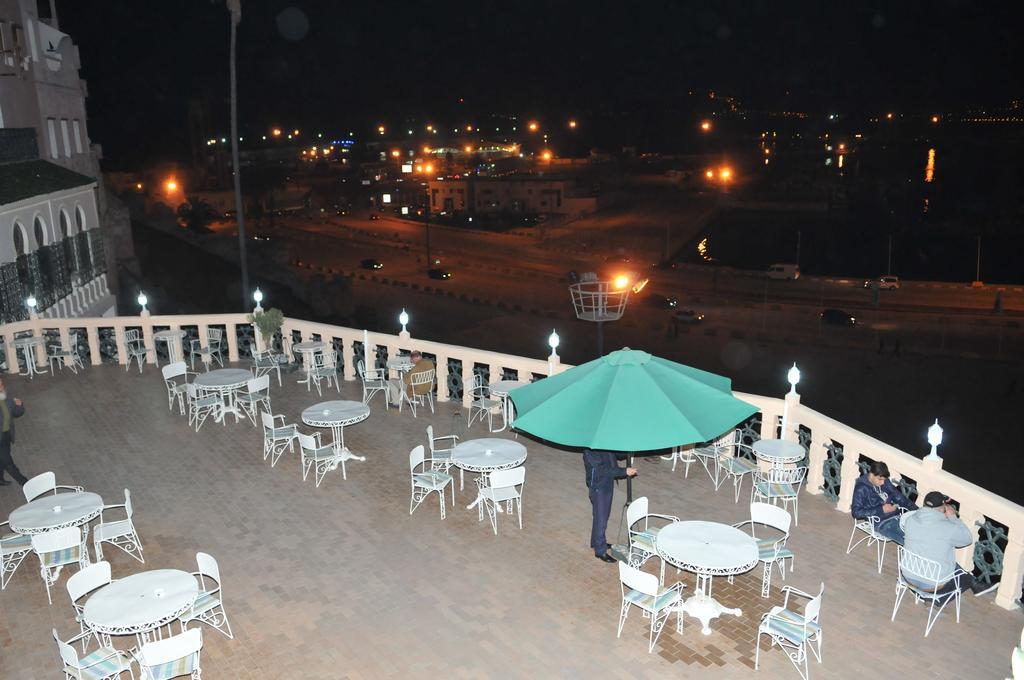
(602, 472)
(9, 410)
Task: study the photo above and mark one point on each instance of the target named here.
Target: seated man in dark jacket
(875, 496)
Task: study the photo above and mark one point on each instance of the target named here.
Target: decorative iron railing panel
(988, 551)
(832, 468)
(12, 294)
(455, 391)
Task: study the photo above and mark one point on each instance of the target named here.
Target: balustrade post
(817, 452)
(494, 370)
(349, 357)
(12, 353)
(768, 423)
(93, 333)
(441, 375)
(203, 330)
(848, 474)
(231, 332)
(965, 555)
(467, 379)
(791, 417)
(65, 341)
(147, 335)
(1013, 569)
(122, 352)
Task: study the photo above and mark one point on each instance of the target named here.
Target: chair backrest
(415, 457)
(327, 359)
(430, 437)
(503, 479)
(813, 608)
(421, 378)
(214, 334)
(176, 647)
(636, 511)
(171, 371)
(778, 475)
(87, 580)
(38, 485)
(192, 390)
(259, 384)
(641, 581)
(67, 653)
(208, 566)
(306, 441)
(60, 539)
(128, 503)
(361, 369)
(771, 515)
(131, 335)
(921, 568)
(268, 421)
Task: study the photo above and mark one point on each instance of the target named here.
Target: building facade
(527, 194)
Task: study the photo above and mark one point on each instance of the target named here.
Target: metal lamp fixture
(934, 438)
(257, 297)
(142, 300)
(31, 302)
(403, 319)
(793, 377)
(553, 341)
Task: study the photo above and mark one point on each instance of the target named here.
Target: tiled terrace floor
(341, 582)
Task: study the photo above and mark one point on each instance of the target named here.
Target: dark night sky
(340, 64)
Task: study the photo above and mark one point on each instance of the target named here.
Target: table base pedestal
(705, 608)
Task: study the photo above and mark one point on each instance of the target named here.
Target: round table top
(335, 413)
(223, 377)
(141, 602)
(309, 346)
(503, 387)
(473, 455)
(29, 340)
(169, 335)
(402, 363)
(778, 450)
(707, 548)
(42, 514)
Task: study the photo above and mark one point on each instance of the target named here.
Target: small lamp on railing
(793, 376)
(934, 438)
(31, 303)
(142, 300)
(553, 360)
(257, 297)
(403, 319)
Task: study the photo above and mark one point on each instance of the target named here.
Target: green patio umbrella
(629, 401)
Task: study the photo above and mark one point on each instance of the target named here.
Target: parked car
(883, 282)
(838, 317)
(370, 263)
(687, 316)
(663, 301)
(785, 272)
(374, 216)
(437, 273)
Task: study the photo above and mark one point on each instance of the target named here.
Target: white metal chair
(209, 352)
(264, 362)
(374, 380)
(425, 480)
(441, 449)
(174, 657)
(779, 484)
(215, 338)
(642, 590)
(120, 533)
(317, 457)
(176, 379)
(56, 549)
(481, 405)
(105, 662)
(641, 533)
(201, 405)
(417, 380)
(275, 438)
(13, 548)
(501, 486)
(135, 347)
(325, 367)
(707, 456)
(255, 395)
(869, 527)
(794, 633)
(209, 605)
(58, 356)
(924, 570)
(732, 464)
(42, 483)
(682, 454)
(81, 584)
(772, 550)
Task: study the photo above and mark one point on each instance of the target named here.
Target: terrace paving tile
(341, 581)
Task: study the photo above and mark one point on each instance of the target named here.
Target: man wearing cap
(935, 532)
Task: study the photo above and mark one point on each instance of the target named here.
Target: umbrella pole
(600, 338)
(629, 498)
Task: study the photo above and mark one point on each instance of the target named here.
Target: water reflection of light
(929, 168)
(702, 248)
(925, 205)
(841, 160)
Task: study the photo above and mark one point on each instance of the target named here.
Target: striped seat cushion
(790, 625)
(252, 396)
(766, 550)
(282, 432)
(113, 529)
(323, 453)
(775, 490)
(643, 540)
(173, 669)
(204, 603)
(650, 603)
(15, 543)
(61, 557)
(95, 666)
(737, 466)
(432, 480)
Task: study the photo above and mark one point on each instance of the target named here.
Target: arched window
(65, 227)
(79, 218)
(39, 230)
(20, 239)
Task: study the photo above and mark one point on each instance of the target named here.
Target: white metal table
(28, 346)
(501, 389)
(486, 455)
(402, 364)
(778, 452)
(337, 415)
(308, 350)
(140, 603)
(59, 511)
(224, 381)
(707, 549)
(173, 339)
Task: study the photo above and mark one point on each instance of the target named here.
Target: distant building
(527, 194)
(54, 213)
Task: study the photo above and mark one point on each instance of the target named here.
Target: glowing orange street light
(138, 185)
(889, 115)
(935, 119)
(725, 174)
(710, 174)
(395, 153)
(430, 128)
(295, 132)
(533, 127)
(468, 149)
(705, 125)
(572, 124)
(429, 167)
(418, 168)
(277, 132)
(426, 149)
(546, 155)
(621, 281)
(171, 185)
(380, 129)
(469, 128)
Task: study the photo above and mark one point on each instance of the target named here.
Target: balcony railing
(836, 453)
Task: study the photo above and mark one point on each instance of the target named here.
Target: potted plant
(268, 323)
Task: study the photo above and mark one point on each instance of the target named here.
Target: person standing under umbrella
(602, 471)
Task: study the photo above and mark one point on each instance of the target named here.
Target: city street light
(705, 126)
(934, 438)
(533, 126)
(572, 124)
(142, 300)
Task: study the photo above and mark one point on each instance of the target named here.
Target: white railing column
(65, 340)
(231, 332)
(817, 452)
(467, 381)
(147, 335)
(1013, 569)
(348, 357)
(970, 517)
(203, 329)
(791, 417)
(122, 352)
(441, 376)
(847, 478)
(12, 353)
(92, 332)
